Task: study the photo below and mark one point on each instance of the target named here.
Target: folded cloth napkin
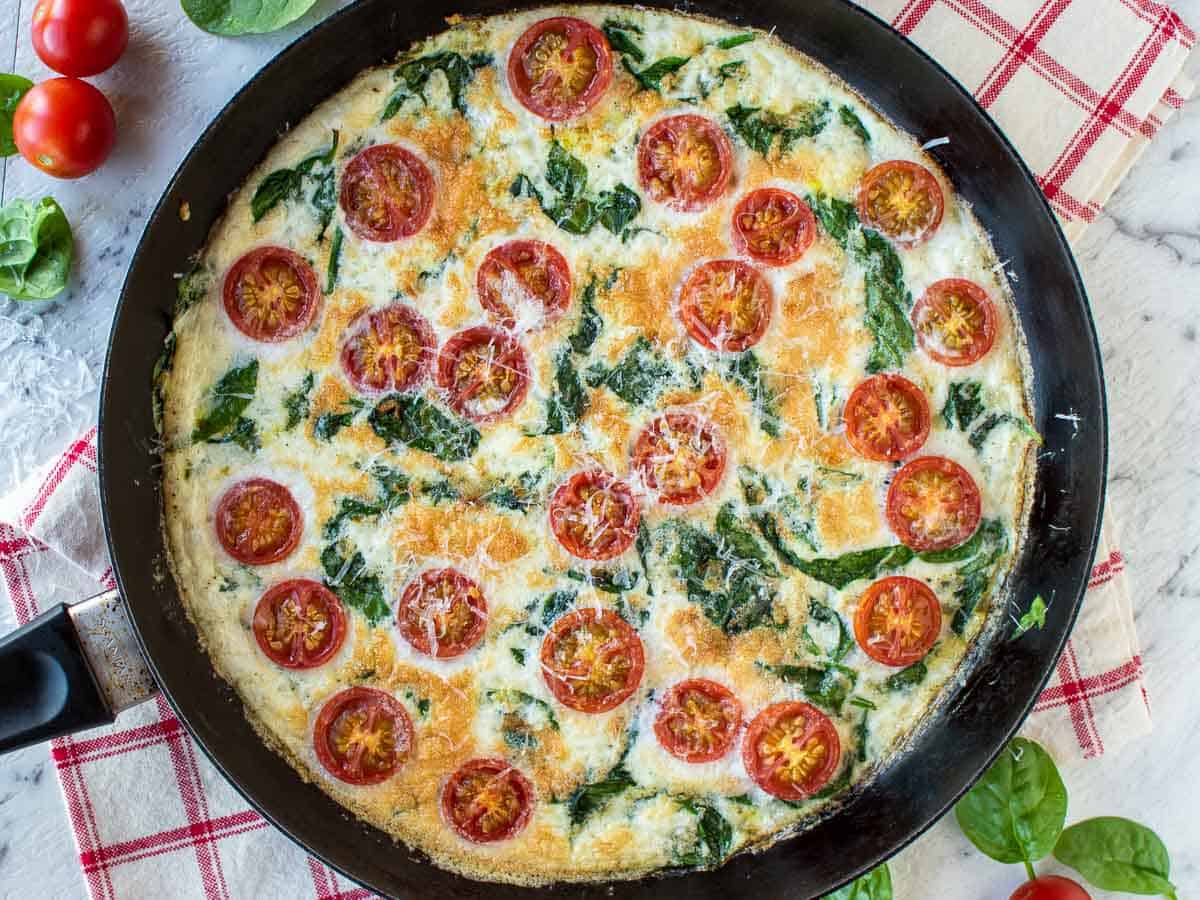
(152, 817)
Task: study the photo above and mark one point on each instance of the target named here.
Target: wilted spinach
(413, 421)
(393, 490)
(330, 423)
(851, 120)
(573, 210)
(907, 678)
(222, 420)
(347, 576)
(650, 78)
(638, 378)
(459, 71)
(714, 835)
(991, 543)
(963, 405)
(827, 686)
(297, 404)
(760, 129)
(288, 184)
(746, 371)
(569, 401)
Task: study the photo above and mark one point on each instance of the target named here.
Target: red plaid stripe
(82, 452)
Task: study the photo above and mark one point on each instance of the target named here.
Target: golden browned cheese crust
(724, 589)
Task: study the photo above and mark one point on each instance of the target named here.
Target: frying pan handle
(71, 668)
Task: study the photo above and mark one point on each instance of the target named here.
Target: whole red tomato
(1050, 887)
(80, 37)
(65, 127)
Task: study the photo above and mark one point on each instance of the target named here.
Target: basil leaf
(735, 41)
(12, 89)
(650, 78)
(347, 576)
(1117, 854)
(963, 405)
(875, 885)
(415, 422)
(237, 17)
(1015, 813)
(228, 399)
(36, 250)
(621, 41)
(297, 404)
(851, 120)
(907, 678)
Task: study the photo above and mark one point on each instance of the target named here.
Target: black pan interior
(982, 713)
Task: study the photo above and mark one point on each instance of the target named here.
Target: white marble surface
(1141, 262)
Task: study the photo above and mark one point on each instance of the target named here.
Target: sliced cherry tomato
(955, 322)
(271, 294)
(524, 281)
(685, 162)
(386, 193)
(484, 372)
(258, 522)
(560, 67)
(902, 200)
(933, 504)
(487, 800)
(887, 418)
(897, 621)
(594, 515)
(1050, 887)
(680, 457)
(592, 660)
(773, 226)
(442, 613)
(65, 127)
(390, 349)
(299, 624)
(362, 735)
(725, 304)
(791, 750)
(699, 720)
(80, 37)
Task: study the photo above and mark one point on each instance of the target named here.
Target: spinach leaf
(642, 545)
(618, 37)
(826, 686)
(36, 250)
(839, 571)
(413, 421)
(228, 399)
(981, 432)
(297, 404)
(569, 401)
(347, 576)
(244, 433)
(650, 78)
(287, 184)
(611, 581)
(566, 173)
(1034, 617)
(588, 799)
(12, 89)
(509, 697)
(819, 612)
(851, 120)
(590, 323)
(1116, 854)
(746, 371)
(976, 574)
(335, 261)
(393, 491)
(907, 678)
(837, 217)
(966, 550)
(192, 288)
(761, 129)
(875, 885)
(714, 835)
(769, 527)
(237, 17)
(766, 507)
(518, 496)
(1015, 813)
(162, 366)
(741, 543)
(330, 423)
(573, 210)
(554, 604)
(518, 654)
(963, 405)
(415, 73)
(617, 208)
(640, 375)
(437, 491)
(728, 43)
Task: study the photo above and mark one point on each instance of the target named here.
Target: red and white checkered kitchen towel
(1081, 86)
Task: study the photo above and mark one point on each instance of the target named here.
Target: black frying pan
(967, 730)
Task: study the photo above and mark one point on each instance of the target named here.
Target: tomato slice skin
(955, 322)
(933, 503)
(773, 226)
(594, 515)
(487, 800)
(725, 305)
(299, 624)
(887, 418)
(442, 613)
(778, 729)
(80, 38)
(592, 660)
(258, 522)
(897, 621)
(902, 200)
(65, 127)
(386, 193)
(484, 373)
(534, 269)
(358, 718)
(388, 350)
(560, 68)
(699, 720)
(271, 294)
(680, 457)
(685, 162)
(1050, 887)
